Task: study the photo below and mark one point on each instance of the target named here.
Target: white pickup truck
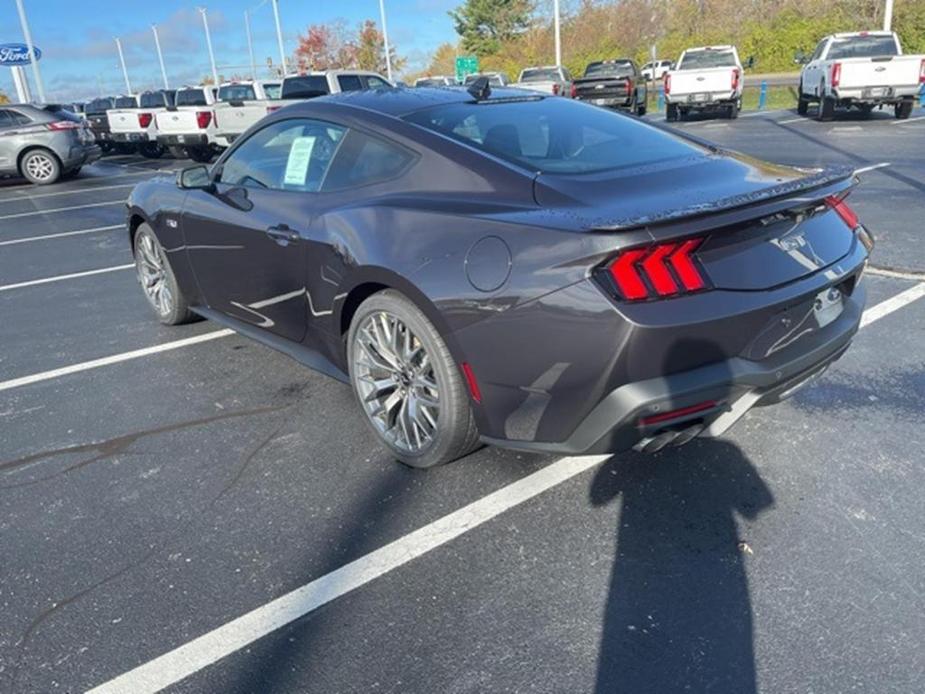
(861, 70)
(709, 78)
(132, 124)
(241, 104)
(188, 129)
(550, 79)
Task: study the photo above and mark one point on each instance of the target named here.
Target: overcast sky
(80, 59)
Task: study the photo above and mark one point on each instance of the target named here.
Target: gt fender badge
(172, 223)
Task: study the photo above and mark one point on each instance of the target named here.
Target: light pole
(555, 10)
(205, 23)
(250, 43)
(385, 41)
(160, 56)
(279, 36)
(888, 16)
(32, 59)
(128, 85)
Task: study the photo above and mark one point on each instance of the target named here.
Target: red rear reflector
(667, 83)
(655, 269)
(144, 119)
(684, 267)
(203, 118)
(922, 72)
(836, 74)
(471, 382)
(629, 282)
(842, 210)
(677, 414)
(735, 78)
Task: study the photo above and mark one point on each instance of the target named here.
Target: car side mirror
(800, 58)
(749, 63)
(195, 178)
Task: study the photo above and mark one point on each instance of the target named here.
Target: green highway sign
(466, 65)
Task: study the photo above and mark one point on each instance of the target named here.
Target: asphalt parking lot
(184, 508)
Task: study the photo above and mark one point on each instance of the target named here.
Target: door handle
(283, 234)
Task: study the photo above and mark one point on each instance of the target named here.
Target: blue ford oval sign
(12, 54)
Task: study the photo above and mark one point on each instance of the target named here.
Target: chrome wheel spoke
(152, 273)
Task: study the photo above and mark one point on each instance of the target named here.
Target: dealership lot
(149, 501)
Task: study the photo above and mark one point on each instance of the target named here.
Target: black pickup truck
(99, 121)
(614, 84)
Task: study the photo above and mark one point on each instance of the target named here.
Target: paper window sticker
(300, 156)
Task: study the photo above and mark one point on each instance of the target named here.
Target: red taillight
(144, 119)
(664, 270)
(471, 382)
(203, 118)
(841, 208)
(667, 83)
(62, 125)
(836, 74)
(735, 78)
(573, 92)
(922, 72)
(677, 414)
(629, 87)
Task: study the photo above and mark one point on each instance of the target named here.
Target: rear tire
(732, 111)
(640, 110)
(903, 109)
(827, 108)
(177, 152)
(40, 166)
(201, 155)
(151, 150)
(158, 282)
(409, 387)
(671, 113)
(802, 102)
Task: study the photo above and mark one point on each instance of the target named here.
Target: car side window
(373, 82)
(363, 159)
(349, 83)
(819, 49)
(6, 120)
(291, 155)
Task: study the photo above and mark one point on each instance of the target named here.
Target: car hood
(664, 191)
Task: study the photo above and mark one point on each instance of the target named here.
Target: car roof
(399, 101)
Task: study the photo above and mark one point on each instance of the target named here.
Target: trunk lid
(763, 225)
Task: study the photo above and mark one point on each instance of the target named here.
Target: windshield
(154, 100)
(126, 102)
(430, 82)
(304, 87)
(540, 75)
(237, 92)
(272, 90)
(610, 69)
(863, 47)
(191, 97)
(553, 135)
(702, 60)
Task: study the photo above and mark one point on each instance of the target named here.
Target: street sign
(13, 54)
(466, 65)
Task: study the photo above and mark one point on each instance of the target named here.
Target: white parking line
(176, 665)
(872, 167)
(61, 209)
(801, 119)
(113, 359)
(72, 191)
(908, 120)
(46, 237)
(59, 278)
(211, 647)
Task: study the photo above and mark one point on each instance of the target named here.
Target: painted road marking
(872, 167)
(60, 278)
(114, 359)
(61, 209)
(908, 120)
(794, 120)
(46, 237)
(193, 656)
(73, 191)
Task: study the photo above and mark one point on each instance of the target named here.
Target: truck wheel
(802, 102)
(202, 155)
(732, 111)
(640, 109)
(827, 108)
(177, 152)
(903, 109)
(671, 113)
(151, 150)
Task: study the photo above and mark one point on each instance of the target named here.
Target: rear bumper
(183, 140)
(607, 101)
(714, 102)
(734, 385)
(137, 138)
(80, 155)
(872, 95)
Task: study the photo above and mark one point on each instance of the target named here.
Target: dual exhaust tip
(669, 437)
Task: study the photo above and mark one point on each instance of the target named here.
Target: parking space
(155, 504)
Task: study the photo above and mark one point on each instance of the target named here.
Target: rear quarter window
(125, 102)
(862, 47)
(237, 92)
(364, 159)
(554, 135)
(191, 97)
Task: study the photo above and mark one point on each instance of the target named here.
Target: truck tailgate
(896, 71)
(235, 120)
(718, 79)
(124, 121)
(182, 120)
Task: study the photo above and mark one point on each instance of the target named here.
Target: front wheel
(158, 282)
(410, 388)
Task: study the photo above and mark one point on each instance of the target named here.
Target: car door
(247, 239)
(812, 74)
(7, 140)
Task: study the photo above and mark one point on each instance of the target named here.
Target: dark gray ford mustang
(509, 268)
